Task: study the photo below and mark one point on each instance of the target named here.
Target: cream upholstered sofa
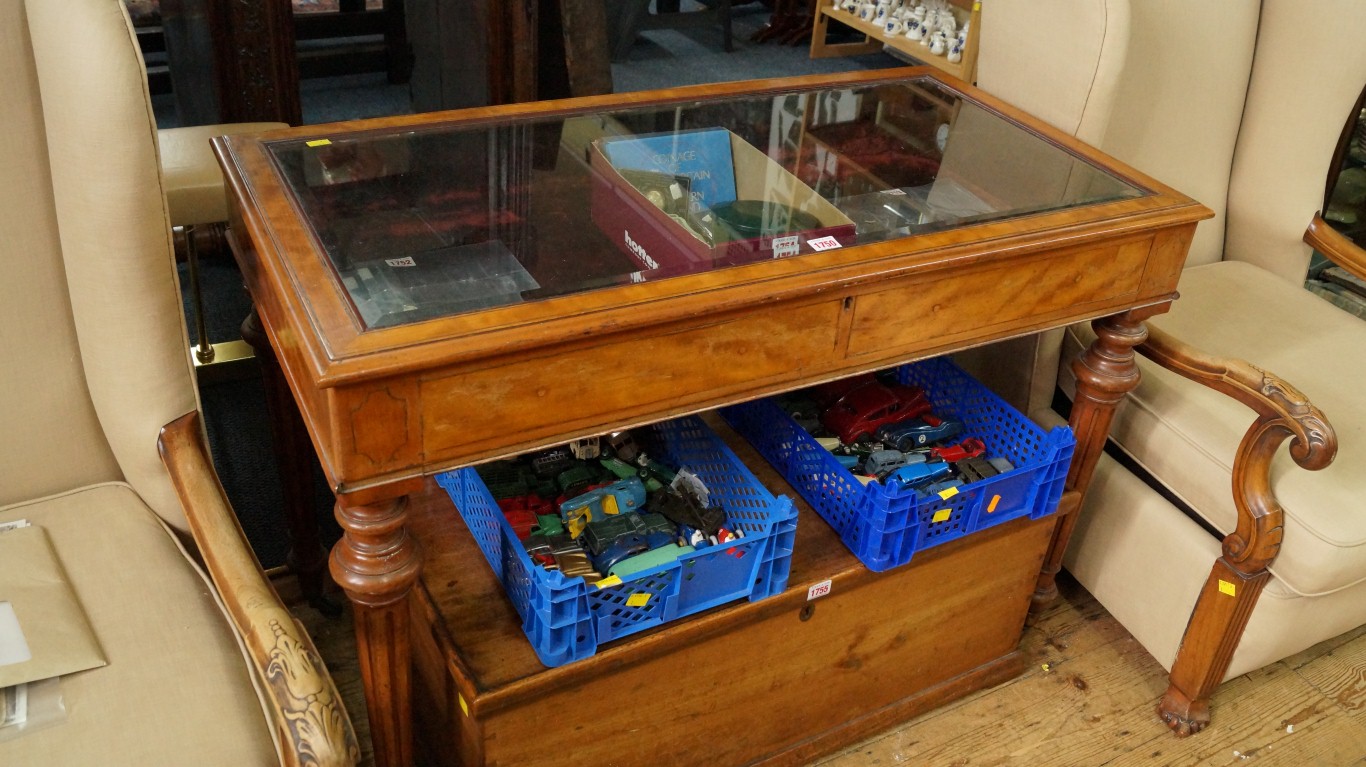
(1234, 104)
(200, 670)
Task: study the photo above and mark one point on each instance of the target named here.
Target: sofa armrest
(1335, 245)
(309, 716)
(1282, 412)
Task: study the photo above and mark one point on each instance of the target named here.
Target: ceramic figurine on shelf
(939, 44)
(915, 30)
(893, 26)
(883, 8)
(849, 6)
(866, 11)
(956, 51)
(933, 19)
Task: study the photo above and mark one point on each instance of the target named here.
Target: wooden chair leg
(1216, 626)
(1225, 604)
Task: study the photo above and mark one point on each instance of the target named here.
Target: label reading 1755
(818, 590)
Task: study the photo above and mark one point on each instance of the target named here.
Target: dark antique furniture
(1000, 226)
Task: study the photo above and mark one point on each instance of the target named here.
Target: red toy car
(827, 394)
(858, 414)
(521, 512)
(968, 448)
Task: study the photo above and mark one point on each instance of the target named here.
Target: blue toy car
(919, 432)
(919, 474)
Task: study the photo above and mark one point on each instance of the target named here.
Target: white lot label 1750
(824, 243)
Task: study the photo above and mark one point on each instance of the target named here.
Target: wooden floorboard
(1087, 698)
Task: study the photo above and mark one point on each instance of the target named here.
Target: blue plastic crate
(884, 526)
(566, 619)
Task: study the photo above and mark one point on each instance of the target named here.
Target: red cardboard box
(657, 242)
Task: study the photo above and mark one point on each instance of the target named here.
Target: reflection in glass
(448, 219)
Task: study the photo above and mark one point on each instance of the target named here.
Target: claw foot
(1183, 716)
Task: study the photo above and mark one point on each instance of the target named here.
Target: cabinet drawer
(931, 311)
(627, 377)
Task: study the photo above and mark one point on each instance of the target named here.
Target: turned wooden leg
(1105, 373)
(294, 458)
(376, 564)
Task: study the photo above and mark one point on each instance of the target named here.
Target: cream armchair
(1232, 104)
(202, 669)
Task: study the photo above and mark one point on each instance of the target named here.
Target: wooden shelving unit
(875, 39)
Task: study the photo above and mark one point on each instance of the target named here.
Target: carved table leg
(294, 457)
(376, 562)
(1105, 373)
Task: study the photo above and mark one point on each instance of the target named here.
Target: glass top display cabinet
(445, 289)
(380, 247)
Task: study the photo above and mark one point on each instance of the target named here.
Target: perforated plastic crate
(566, 619)
(885, 526)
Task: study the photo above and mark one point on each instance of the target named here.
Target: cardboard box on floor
(657, 242)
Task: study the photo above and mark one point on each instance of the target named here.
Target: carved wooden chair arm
(1282, 412)
(1335, 245)
(310, 718)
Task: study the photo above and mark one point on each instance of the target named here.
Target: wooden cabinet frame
(386, 408)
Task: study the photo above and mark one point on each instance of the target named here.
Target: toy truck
(549, 463)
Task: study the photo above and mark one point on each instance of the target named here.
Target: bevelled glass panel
(452, 218)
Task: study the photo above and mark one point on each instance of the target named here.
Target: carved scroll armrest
(1282, 412)
(1335, 245)
(309, 716)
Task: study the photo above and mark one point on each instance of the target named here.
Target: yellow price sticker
(319, 142)
(995, 499)
(941, 515)
(948, 493)
(464, 707)
(609, 581)
(638, 600)
(1227, 588)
